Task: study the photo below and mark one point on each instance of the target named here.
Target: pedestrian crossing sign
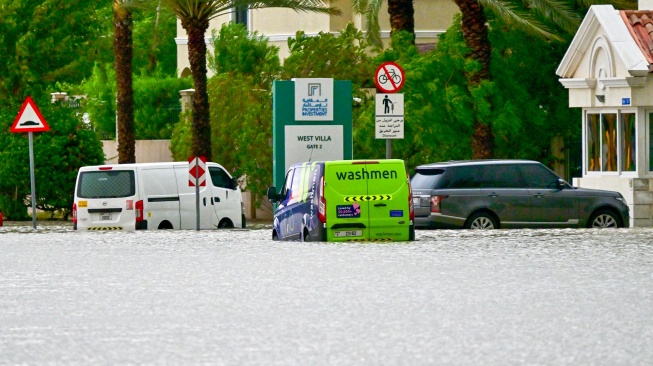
(29, 119)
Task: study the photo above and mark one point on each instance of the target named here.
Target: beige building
(607, 70)
(432, 17)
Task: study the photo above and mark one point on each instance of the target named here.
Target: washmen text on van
(364, 174)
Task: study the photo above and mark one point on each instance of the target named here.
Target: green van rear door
(346, 212)
(366, 200)
(389, 191)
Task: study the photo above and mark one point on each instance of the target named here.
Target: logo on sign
(314, 99)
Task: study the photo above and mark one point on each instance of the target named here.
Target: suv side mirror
(562, 184)
(272, 194)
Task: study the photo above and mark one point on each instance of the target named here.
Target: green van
(344, 200)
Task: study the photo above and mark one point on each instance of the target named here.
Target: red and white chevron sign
(197, 171)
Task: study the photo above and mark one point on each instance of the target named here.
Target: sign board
(389, 122)
(313, 143)
(29, 119)
(197, 165)
(389, 77)
(312, 120)
(314, 99)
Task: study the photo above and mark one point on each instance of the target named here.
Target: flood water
(505, 297)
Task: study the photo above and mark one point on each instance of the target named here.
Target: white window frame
(619, 147)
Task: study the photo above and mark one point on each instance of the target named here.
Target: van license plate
(105, 216)
(340, 234)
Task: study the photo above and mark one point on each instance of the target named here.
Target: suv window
(537, 176)
(499, 176)
(428, 179)
(463, 177)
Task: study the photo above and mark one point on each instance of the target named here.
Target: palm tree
(402, 18)
(122, 48)
(195, 16)
(564, 14)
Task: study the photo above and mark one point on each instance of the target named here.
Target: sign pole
(31, 174)
(388, 149)
(197, 193)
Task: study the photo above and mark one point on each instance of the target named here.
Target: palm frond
(372, 27)
(508, 13)
(559, 12)
(359, 6)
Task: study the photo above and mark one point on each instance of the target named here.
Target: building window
(593, 143)
(604, 143)
(629, 145)
(240, 15)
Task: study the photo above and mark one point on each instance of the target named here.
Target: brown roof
(640, 26)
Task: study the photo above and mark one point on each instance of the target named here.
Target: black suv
(492, 194)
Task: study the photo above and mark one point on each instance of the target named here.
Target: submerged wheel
(225, 224)
(274, 236)
(481, 220)
(307, 235)
(604, 219)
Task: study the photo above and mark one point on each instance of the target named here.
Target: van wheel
(274, 236)
(604, 219)
(481, 220)
(243, 220)
(411, 233)
(165, 225)
(307, 235)
(225, 224)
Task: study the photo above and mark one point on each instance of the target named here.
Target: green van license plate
(340, 234)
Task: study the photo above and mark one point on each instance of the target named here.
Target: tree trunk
(122, 48)
(201, 126)
(475, 33)
(402, 16)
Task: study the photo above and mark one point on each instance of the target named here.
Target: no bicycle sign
(389, 77)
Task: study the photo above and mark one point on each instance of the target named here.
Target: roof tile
(640, 26)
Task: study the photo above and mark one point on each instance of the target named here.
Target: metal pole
(388, 149)
(31, 174)
(197, 193)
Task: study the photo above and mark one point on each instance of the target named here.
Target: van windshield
(428, 179)
(106, 184)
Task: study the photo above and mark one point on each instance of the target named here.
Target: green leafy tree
(48, 41)
(195, 16)
(517, 14)
(241, 114)
(157, 96)
(58, 154)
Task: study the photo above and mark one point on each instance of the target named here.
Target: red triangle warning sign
(29, 119)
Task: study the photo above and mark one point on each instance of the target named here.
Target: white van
(150, 196)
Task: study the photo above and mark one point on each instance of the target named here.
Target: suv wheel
(604, 219)
(481, 220)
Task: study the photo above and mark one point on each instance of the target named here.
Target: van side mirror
(272, 194)
(234, 183)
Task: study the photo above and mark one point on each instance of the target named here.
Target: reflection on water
(235, 297)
